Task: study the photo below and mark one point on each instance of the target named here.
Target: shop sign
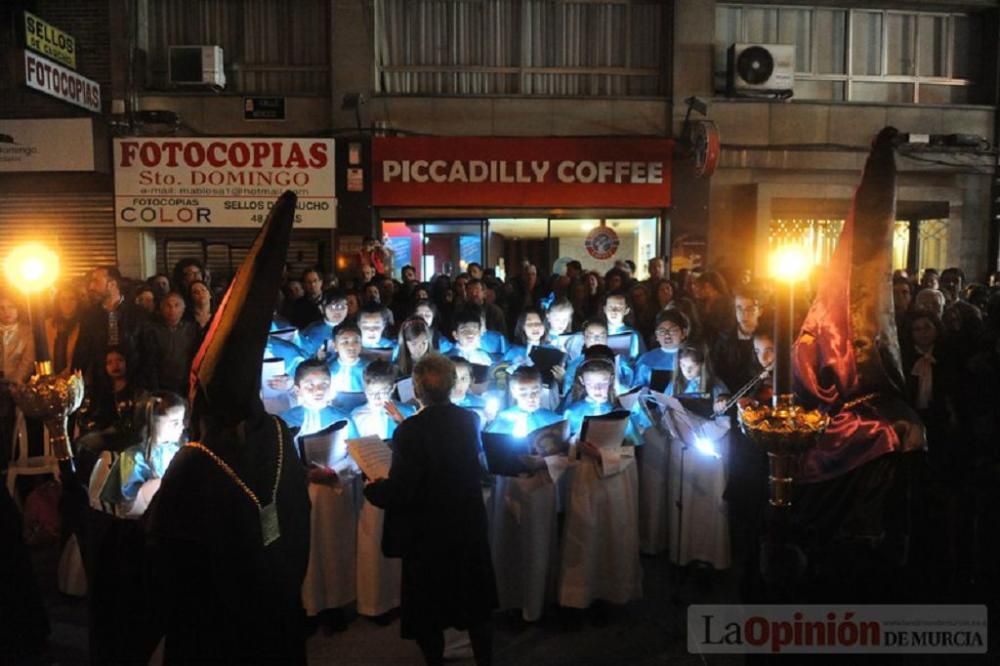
(263, 108)
(52, 144)
(49, 40)
(205, 182)
(53, 79)
(482, 171)
(602, 242)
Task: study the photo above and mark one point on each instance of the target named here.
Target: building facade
(606, 76)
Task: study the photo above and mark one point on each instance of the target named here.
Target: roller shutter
(79, 227)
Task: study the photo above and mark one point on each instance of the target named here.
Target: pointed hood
(225, 374)
(848, 348)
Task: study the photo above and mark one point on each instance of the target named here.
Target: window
(863, 55)
(268, 48)
(518, 47)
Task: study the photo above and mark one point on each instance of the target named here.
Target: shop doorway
(436, 246)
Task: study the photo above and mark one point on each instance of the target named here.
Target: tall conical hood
(225, 375)
(846, 359)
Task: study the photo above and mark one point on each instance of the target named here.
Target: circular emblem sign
(602, 242)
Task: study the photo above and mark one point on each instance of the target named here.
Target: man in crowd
(309, 308)
(475, 294)
(111, 321)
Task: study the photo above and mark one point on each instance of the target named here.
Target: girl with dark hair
(530, 331)
(699, 528)
(426, 310)
(414, 343)
(201, 310)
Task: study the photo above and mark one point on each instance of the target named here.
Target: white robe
(703, 523)
(379, 577)
(523, 541)
(600, 546)
(654, 504)
(331, 580)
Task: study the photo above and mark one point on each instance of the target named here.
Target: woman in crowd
(201, 310)
(62, 330)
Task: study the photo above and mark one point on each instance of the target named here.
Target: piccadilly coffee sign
(487, 171)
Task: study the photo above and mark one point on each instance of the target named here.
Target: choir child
(315, 338)
(426, 310)
(378, 576)
(373, 320)
(414, 343)
(523, 508)
(699, 527)
(600, 545)
(346, 366)
(671, 331)
(468, 336)
(595, 333)
(330, 582)
(616, 309)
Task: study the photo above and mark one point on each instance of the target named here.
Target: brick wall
(87, 21)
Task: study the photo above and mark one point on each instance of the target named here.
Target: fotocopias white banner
(189, 182)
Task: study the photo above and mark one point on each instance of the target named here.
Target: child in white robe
(600, 545)
(378, 576)
(522, 508)
(330, 582)
(699, 531)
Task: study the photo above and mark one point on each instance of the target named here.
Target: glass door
(434, 247)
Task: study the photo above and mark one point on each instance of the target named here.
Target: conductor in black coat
(436, 521)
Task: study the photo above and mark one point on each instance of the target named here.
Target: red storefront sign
(491, 172)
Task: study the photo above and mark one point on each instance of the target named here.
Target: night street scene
(514, 332)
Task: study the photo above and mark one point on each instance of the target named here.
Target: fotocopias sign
(482, 171)
(222, 182)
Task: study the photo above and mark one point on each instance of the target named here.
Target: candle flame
(31, 267)
(789, 263)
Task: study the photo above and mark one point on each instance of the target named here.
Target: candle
(788, 266)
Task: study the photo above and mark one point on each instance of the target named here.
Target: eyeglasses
(339, 305)
(669, 330)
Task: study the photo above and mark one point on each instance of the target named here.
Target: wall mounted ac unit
(760, 68)
(197, 66)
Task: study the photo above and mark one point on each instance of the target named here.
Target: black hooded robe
(227, 598)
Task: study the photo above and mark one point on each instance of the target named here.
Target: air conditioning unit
(760, 68)
(197, 66)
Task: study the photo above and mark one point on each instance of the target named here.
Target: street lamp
(32, 268)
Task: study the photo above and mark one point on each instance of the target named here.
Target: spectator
(110, 322)
(201, 309)
(309, 308)
(17, 355)
(62, 331)
(168, 347)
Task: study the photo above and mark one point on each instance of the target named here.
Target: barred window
(270, 46)
(519, 47)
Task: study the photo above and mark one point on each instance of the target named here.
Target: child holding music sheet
(468, 336)
(378, 576)
(671, 331)
(530, 331)
(600, 545)
(373, 320)
(616, 309)
(330, 582)
(523, 508)
(347, 367)
(699, 528)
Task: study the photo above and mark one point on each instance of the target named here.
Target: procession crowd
(660, 358)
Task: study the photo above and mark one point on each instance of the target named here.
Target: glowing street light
(31, 267)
